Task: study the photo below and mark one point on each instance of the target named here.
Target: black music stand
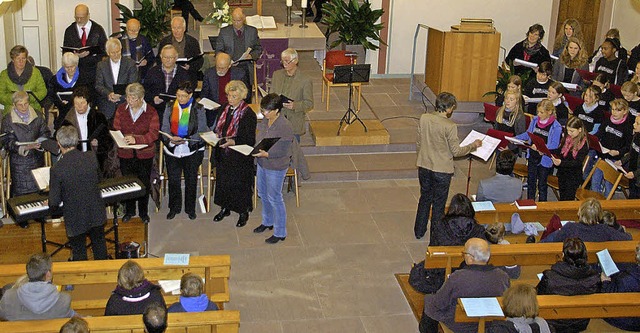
(351, 74)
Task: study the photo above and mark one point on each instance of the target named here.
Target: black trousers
(187, 8)
(140, 168)
(427, 324)
(175, 168)
(98, 244)
(434, 190)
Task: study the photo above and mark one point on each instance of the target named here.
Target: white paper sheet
(489, 144)
(481, 206)
(606, 262)
(482, 307)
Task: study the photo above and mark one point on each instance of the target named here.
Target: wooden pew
(224, 321)
(567, 210)
(527, 254)
(100, 278)
(568, 307)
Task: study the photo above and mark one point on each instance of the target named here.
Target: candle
(289, 3)
(303, 4)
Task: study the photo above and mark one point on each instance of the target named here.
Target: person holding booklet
(236, 125)
(632, 162)
(24, 129)
(510, 117)
(138, 122)
(625, 281)
(437, 145)
(62, 84)
(570, 159)
(74, 180)
(530, 50)
(538, 88)
(137, 47)
(215, 81)
(183, 122)
(186, 46)
(555, 94)
(573, 56)
(272, 167)
(112, 71)
(86, 32)
(549, 129)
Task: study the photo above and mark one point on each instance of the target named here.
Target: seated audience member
(555, 94)
(571, 276)
(602, 81)
(192, 298)
(65, 81)
(186, 46)
(573, 57)
(21, 75)
(625, 281)
(520, 306)
(609, 218)
(502, 187)
(75, 325)
(589, 226)
(155, 318)
(610, 63)
(458, 225)
(572, 29)
(137, 47)
(571, 155)
(631, 93)
(530, 49)
(441, 306)
(495, 235)
(111, 71)
(538, 88)
(632, 162)
(216, 79)
(37, 298)
(133, 293)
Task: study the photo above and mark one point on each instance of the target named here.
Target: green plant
(504, 75)
(153, 18)
(355, 23)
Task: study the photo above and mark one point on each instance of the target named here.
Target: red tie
(239, 33)
(83, 39)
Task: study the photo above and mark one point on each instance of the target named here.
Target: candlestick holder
(288, 24)
(304, 18)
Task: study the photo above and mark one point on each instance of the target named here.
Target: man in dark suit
(237, 38)
(216, 79)
(86, 32)
(186, 46)
(74, 181)
(111, 71)
(164, 79)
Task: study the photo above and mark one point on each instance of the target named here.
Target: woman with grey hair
(66, 79)
(21, 75)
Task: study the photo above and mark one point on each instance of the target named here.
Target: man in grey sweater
(36, 298)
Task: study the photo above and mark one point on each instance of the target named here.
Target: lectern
(462, 63)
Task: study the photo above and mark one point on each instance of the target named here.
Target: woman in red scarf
(572, 155)
(236, 124)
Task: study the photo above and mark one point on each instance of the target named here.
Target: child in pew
(625, 281)
(545, 126)
(495, 235)
(606, 95)
(572, 154)
(631, 161)
(631, 93)
(555, 94)
(520, 304)
(192, 297)
(539, 87)
(75, 325)
(609, 218)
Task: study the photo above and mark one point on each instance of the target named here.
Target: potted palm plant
(355, 24)
(152, 15)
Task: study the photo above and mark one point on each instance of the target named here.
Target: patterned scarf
(132, 48)
(568, 144)
(529, 51)
(232, 129)
(180, 121)
(60, 78)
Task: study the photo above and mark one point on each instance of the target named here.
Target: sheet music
(118, 137)
(570, 86)
(606, 262)
(516, 141)
(243, 149)
(528, 99)
(262, 22)
(208, 104)
(553, 57)
(489, 144)
(615, 166)
(520, 62)
(244, 56)
(181, 259)
(262, 91)
(482, 307)
(41, 176)
(210, 137)
(169, 285)
(481, 206)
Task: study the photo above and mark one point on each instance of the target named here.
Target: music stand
(351, 74)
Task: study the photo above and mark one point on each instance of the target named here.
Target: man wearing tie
(85, 32)
(237, 38)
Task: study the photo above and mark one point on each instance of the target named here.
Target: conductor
(74, 180)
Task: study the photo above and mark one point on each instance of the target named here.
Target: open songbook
(262, 22)
(244, 57)
(169, 136)
(41, 175)
(606, 262)
(182, 61)
(93, 49)
(615, 166)
(208, 104)
(489, 144)
(482, 307)
(264, 144)
(517, 141)
(118, 137)
(594, 143)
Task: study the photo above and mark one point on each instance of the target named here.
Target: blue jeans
(434, 190)
(537, 176)
(598, 182)
(274, 212)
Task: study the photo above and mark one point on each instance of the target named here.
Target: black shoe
(126, 218)
(192, 216)
(274, 239)
(262, 228)
(222, 214)
(531, 239)
(24, 225)
(242, 221)
(171, 215)
(145, 219)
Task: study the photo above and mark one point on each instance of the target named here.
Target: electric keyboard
(33, 206)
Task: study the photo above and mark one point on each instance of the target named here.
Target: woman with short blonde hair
(521, 309)
(134, 293)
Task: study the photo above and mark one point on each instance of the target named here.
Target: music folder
(541, 146)
(93, 49)
(120, 89)
(182, 61)
(264, 144)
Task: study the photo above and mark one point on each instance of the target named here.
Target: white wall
(626, 17)
(512, 22)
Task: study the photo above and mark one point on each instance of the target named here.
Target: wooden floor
(18, 244)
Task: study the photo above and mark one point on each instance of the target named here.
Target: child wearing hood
(192, 298)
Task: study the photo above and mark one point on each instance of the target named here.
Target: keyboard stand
(114, 228)
(45, 242)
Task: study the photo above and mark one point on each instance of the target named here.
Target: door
(586, 12)
(31, 23)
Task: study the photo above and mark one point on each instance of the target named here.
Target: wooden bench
(93, 281)
(223, 321)
(569, 307)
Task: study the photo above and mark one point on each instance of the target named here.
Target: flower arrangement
(220, 14)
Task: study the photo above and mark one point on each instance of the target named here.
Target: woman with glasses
(138, 122)
(272, 168)
(235, 125)
(183, 119)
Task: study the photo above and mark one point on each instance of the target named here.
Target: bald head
(223, 63)
(81, 14)
(133, 28)
(237, 18)
(476, 252)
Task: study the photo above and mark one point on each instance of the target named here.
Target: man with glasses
(162, 81)
(137, 47)
(236, 39)
(476, 278)
(297, 87)
(216, 79)
(86, 32)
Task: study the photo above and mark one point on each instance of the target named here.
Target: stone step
(363, 166)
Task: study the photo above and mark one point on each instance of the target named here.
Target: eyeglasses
(132, 98)
(167, 57)
(466, 253)
(285, 62)
(265, 110)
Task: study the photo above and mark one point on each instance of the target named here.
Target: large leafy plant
(504, 74)
(355, 23)
(154, 22)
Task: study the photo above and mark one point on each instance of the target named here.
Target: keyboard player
(74, 180)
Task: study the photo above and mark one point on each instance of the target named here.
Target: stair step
(363, 166)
